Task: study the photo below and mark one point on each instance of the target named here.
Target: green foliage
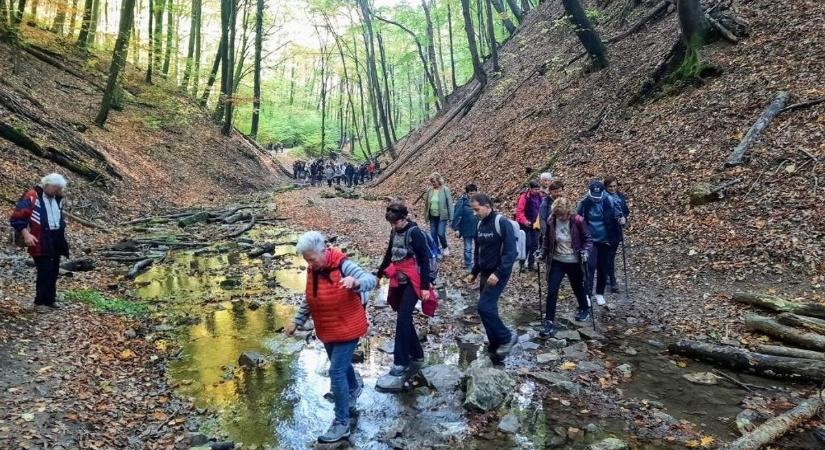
(101, 303)
(594, 15)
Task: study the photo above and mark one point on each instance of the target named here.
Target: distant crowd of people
(322, 171)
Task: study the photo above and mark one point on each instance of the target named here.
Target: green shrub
(101, 303)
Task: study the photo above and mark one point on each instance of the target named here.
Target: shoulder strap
(498, 224)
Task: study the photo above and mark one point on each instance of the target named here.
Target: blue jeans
(342, 377)
(468, 252)
(555, 275)
(497, 332)
(407, 345)
(438, 230)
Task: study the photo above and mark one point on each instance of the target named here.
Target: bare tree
(127, 15)
(478, 71)
(587, 34)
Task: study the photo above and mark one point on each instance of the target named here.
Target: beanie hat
(595, 190)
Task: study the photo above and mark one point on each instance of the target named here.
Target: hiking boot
(416, 365)
(398, 370)
(600, 300)
(335, 433)
(614, 287)
(42, 309)
(390, 383)
(582, 315)
(504, 349)
(549, 329)
(54, 306)
(355, 393)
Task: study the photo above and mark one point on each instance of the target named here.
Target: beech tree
(256, 90)
(373, 75)
(127, 15)
(587, 34)
(478, 71)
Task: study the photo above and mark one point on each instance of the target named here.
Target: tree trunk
(213, 73)
(587, 34)
(505, 19)
(196, 76)
(240, 57)
(373, 75)
(743, 360)
(72, 20)
(439, 90)
(517, 12)
(450, 34)
(361, 96)
(774, 428)
(256, 82)
(190, 49)
(127, 15)
(230, 61)
(387, 92)
(83, 37)
(150, 33)
(693, 22)
(323, 94)
(59, 18)
(92, 39)
(809, 323)
(157, 36)
(478, 71)
(491, 31)
(790, 352)
(170, 34)
(443, 72)
(779, 304)
(292, 85)
(785, 333)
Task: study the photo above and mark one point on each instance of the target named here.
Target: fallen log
(809, 323)
(237, 217)
(78, 265)
(771, 327)
(139, 267)
(265, 248)
(781, 350)
(87, 222)
(774, 428)
(779, 304)
(744, 360)
(738, 153)
(193, 219)
(245, 228)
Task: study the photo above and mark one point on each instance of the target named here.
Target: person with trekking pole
(527, 216)
(603, 224)
(495, 254)
(619, 200)
(566, 248)
(465, 224)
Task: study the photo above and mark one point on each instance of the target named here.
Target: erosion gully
(236, 304)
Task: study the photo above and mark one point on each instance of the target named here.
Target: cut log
(780, 350)
(809, 323)
(139, 267)
(738, 154)
(744, 360)
(237, 217)
(244, 228)
(779, 304)
(265, 248)
(193, 219)
(785, 333)
(772, 429)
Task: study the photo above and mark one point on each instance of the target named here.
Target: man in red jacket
(38, 218)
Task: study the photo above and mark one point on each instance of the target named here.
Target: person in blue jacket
(619, 200)
(465, 224)
(602, 220)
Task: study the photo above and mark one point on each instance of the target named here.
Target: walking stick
(538, 275)
(624, 263)
(588, 290)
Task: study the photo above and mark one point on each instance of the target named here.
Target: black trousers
(48, 268)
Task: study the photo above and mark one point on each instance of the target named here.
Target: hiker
(339, 173)
(565, 251)
(545, 179)
(495, 254)
(407, 265)
(603, 224)
(362, 172)
(336, 290)
(349, 173)
(377, 166)
(553, 191)
(465, 224)
(527, 215)
(329, 174)
(370, 169)
(438, 209)
(38, 220)
(619, 200)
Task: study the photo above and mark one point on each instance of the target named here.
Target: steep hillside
(540, 113)
(160, 151)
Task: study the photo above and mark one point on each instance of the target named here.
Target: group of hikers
(347, 173)
(573, 240)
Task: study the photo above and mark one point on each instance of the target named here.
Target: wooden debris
(809, 323)
(244, 228)
(737, 155)
(744, 360)
(139, 267)
(780, 350)
(772, 429)
(785, 333)
(779, 304)
(193, 219)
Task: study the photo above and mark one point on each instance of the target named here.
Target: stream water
(282, 405)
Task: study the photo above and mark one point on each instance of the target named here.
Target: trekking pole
(624, 263)
(588, 290)
(538, 275)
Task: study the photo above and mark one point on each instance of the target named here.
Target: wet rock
(590, 334)
(592, 428)
(707, 378)
(747, 420)
(529, 346)
(570, 335)
(629, 351)
(487, 388)
(509, 424)
(530, 334)
(387, 347)
(633, 321)
(189, 320)
(250, 359)
(556, 441)
(589, 367)
(442, 377)
(575, 351)
(665, 418)
(609, 444)
(230, 283)
(626, 370)
(227, 445)
(309, 325)
(130, 334)
(545, 358)
(555, 343)
(254, 305)
(481, 363)
(655, 343)
(471, 339)
(557, 381)
(196, 439)
(574, 433)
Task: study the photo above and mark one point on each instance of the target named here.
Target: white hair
(53, 179)
(546, 176)
(311, 241)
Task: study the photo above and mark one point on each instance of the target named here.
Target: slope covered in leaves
(160, 151)
(539, 113)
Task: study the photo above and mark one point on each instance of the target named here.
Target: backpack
(521, 236)
(432, 249)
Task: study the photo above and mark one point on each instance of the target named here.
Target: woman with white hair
(38, 221)
(335, 292)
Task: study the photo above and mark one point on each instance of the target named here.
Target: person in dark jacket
(619, 200)
(495, 254)
(38, 218)
(566, 246)
(554, 190)
(603, 224)
(527, 214)
(407, 265)
(465, 224)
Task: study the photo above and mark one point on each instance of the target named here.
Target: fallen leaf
(127, 354)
